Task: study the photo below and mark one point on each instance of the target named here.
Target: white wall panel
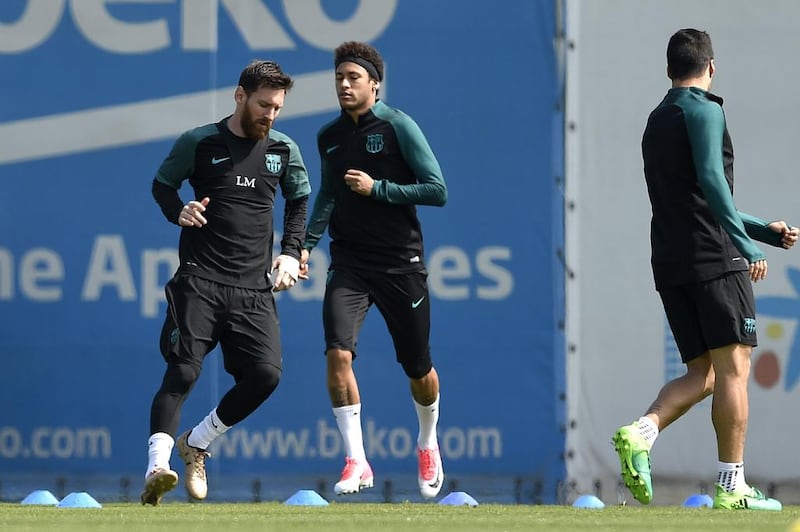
(616, 74)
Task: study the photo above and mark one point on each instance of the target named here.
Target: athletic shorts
(402, 300)
(711, 314)
(202, 314)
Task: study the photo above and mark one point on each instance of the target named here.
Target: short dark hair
(260, 74)
(360, 51)
(688, 53)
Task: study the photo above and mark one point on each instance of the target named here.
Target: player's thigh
(344, 307)
(727, 309)
(684, 321)
(191, 329)
(404, 303)
(251, 331)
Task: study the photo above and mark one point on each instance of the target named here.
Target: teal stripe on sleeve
(323, 207)
(705, 124)
(430, 188)
(294, 184)
(179, 164)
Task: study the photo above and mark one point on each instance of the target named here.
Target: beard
(253, 128)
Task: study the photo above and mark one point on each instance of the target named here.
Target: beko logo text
(197, 28)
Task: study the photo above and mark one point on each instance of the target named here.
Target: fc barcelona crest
(273, 162)
(375, 143)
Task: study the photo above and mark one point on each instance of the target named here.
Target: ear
(711, 69)
(239, 95)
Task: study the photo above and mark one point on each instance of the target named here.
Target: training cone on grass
(698, 500)
(306, 498)
(79, 500)
(459, 498)
(41, 498)
(588, 501)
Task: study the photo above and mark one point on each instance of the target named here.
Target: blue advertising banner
(94, 94)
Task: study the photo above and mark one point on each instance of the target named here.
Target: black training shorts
(711, 314)
(202, 313)
(402, 300)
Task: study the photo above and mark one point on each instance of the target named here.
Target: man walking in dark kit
(376, 167)
(222, 290)
(704, 260)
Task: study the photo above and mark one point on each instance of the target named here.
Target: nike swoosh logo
(217, 161)
(331, 149)
(417, 303)
(435, 485)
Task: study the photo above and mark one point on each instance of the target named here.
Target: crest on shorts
(375, 143)
(273, 162)
(749, 325)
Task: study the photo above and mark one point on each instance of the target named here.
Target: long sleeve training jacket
(696, 231)
(380, 232)
(241, 177)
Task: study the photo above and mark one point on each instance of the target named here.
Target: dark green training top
(240, 176)
(380, 232)
(696, 232)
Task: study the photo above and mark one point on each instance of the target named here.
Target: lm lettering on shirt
(244, 181)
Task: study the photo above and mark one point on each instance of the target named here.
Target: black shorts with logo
(711, 314)
(203, 313)
(402, 300)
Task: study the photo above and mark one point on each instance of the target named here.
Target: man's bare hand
(192, 213)
(359, 182)
(758, 270)
(304, 264)
(788, 234)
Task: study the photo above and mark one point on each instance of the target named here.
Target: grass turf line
(274, 516)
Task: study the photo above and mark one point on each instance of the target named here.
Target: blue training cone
(588, 501)
(698, 500)
(306, 498)
(459, 498)
(79, 500)
(40, 497)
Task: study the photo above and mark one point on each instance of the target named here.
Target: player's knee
(339, 359)
(264, 378)
(418, 367)
(180, 378)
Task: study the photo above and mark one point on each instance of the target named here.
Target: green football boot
(747, 498)
(634, 461)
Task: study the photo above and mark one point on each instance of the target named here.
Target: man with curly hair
(377, 166)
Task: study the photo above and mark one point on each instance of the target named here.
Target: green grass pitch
(366, 517)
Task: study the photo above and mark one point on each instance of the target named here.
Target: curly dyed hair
(360, 50)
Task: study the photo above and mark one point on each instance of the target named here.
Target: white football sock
(159, 450)
(207, 431)
(348, 419)
(648, 430)
(730, 475)
(428, 417)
